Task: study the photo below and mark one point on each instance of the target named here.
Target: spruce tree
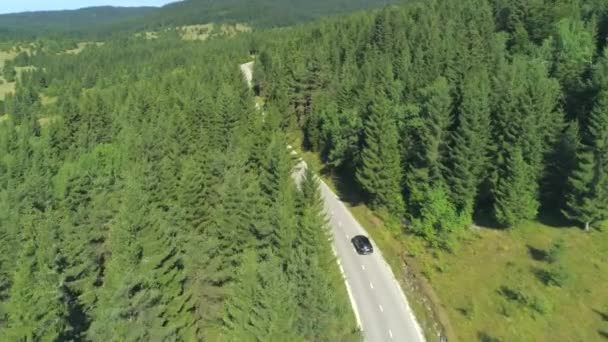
(587, 200)
(469, 148)
(313, 270)
(525, 125)
(514, 193)
(36, 309)
(238, 309)
(380, 171)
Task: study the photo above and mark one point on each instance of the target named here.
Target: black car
(362, 244)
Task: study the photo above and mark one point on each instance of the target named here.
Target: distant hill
(81, 21)
(105, 20)
(260, 13)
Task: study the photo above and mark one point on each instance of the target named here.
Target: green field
(497, 285)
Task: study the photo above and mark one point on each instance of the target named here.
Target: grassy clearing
(201, 32)
(6, 56)
(497, 286)
(9, 87)
(204, 32)
(81, 46)
(45, 121)
(149, 35)
(47, 100)
(6, 88)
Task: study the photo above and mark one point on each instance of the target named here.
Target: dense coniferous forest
(446, 110)
(143, 195)
(152, 201)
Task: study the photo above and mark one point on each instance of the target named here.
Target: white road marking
(362, 267)
(381, 308)
(347, 236)
(371, 285)
(348, 290)
(340, 223)
(390, 333)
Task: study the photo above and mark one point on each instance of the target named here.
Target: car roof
(362, 238)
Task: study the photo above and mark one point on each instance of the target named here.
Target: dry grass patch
(81, 46)
(47, 100)
(43, 122)
(7, 56)
(6, 88)
(204, 32)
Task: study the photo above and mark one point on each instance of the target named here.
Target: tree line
(152, 201)
(447, 110)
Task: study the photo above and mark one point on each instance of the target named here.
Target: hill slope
(82, 20)
(105, 20)
(261, 13)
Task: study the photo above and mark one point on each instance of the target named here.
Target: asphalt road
(381, 308)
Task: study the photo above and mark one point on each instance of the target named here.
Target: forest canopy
(442, 111)
(142, 204)
(145, 196)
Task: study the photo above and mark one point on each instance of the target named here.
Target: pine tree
(238, 309)
(380, 171)
(436, 116)
(469, 148)
(515, 198)
(120, 312)
(525, 125)
(262, 306)
(559, 165)
(587, 200)
(313, 270)
(36, 308)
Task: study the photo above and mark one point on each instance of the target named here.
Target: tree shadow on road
(347, 188)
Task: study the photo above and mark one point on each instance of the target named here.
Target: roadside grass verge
(539, 281)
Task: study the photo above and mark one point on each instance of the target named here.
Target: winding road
(381, 308)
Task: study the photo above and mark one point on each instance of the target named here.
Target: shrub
(537, 303)
(541, 305)
(556, 251)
